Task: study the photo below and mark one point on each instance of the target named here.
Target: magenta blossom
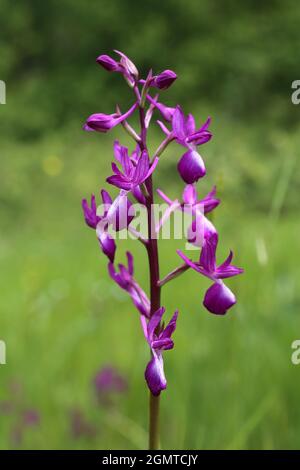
(124, 278)
(191, 166)
(116, 213)
(164, 80)
(109, 64)
(134, 174)
(107, 243)
(159, 339)
(218, 298)
(105, 122)
(124, 66)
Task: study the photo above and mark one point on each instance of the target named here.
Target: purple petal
(154, 322)
(155, 376)
(106, 199)
(226, 269)
(126, 162)
(152, 167)
(162, 344)
(138, 195)
(119, 214)
(200, 230)
(164, 80)
(128, 65)
(166, 111)
(219, 298)
(101, 122)
(210, 202)
(191, 167)
(142, 167)
(108, 63)
(87, 128)
(171, 326)
(90, 213)
(189, 195)
(119, 182)
(117, 150)
(190, 124)
(178, 124)
(208, 252)
(189, 262)
(108, 245)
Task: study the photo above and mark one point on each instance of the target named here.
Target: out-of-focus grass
(231, 383)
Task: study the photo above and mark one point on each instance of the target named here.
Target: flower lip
(191, 167)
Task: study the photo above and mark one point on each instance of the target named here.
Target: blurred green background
(231, 383)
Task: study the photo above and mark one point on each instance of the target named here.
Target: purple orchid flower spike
(218, 298)
(124, 278)
(133, 174)
(105, 122)
(159, 340)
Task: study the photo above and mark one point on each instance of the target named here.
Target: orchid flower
(133, 175)
(93, 220)
(218, 298)
(105, 122)
(159, 340)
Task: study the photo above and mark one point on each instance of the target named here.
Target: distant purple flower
(79, 425)
(104, 122)
(124, 278)
(109, 380)
(134, 174)
(218, 298)
(31, 417)
(159, 339)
